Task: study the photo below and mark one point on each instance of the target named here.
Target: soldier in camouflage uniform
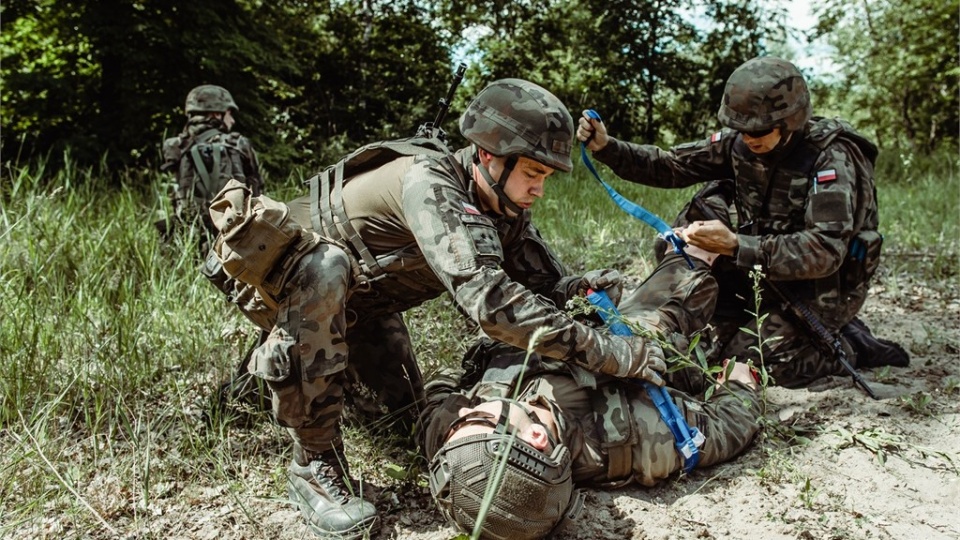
(394, 236)
(788, 193)
(210, 113)
(575, 427)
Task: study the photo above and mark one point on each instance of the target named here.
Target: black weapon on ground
(427, 129)
(801, 312)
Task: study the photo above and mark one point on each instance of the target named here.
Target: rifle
(427, 129)
(805, 316)
(803, 313)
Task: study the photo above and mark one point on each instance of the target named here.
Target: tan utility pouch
(255, 232)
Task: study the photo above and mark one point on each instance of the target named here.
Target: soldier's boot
(873, 351)
(326, 497)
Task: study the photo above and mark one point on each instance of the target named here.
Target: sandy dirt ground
(836, 464)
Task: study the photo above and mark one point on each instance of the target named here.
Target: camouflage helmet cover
(514, 116)
(533, 497)
(763, 93)
(209, 98)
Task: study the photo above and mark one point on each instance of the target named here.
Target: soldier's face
(228, 120)
(482, 419)
(764, 143)
(524, 185)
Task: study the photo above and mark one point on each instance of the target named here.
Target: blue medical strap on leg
(632, 208)
(687, 440)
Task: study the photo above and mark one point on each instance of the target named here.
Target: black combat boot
(873, 351)
(328, 500)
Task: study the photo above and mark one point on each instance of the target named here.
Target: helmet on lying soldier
(532, 497)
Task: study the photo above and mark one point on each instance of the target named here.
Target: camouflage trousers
(792, 355)
(317, 358)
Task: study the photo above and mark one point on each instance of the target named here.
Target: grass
(111, 342)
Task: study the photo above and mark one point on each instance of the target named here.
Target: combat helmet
(763, 93)
(535, 492)
(514, 117)
(209, 98)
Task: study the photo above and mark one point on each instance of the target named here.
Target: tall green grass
(111, 342)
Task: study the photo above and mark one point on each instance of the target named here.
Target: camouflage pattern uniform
(190, 199)
(798, 212)
(612, 427)
(420, 217)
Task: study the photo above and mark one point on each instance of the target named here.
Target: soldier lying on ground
(573, 427)
(371, 241)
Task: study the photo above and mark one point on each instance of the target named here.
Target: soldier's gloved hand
(647, 362)
(603, 280)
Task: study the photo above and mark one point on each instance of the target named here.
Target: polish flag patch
(469, 208)
(828, 175)
(716, 137)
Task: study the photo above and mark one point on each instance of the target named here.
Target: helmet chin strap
(504, 202)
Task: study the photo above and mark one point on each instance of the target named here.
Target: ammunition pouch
(258, 242)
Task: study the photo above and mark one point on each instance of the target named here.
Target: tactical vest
(326, 197)
(777, 206)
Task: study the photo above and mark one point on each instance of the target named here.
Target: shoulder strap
(206, 180)
(825, 130)
(327, 214)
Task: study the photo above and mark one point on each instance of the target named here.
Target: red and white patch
(716, 137)
(828, 175)
(469, 208)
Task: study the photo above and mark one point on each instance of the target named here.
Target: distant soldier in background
(204, 157)
(785, 191)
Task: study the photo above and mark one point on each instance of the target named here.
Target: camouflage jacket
(797, 214)
(422, 219)
(608, 424)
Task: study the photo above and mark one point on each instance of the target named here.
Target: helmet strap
(504, 201)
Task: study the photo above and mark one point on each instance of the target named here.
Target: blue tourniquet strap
(686, 439)
(632, 208)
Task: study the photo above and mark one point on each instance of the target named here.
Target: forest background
(106, 79)
(112, 344)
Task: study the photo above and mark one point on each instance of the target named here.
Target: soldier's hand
(603, 280)
(713, 236)
(647, 362)
(592, 133)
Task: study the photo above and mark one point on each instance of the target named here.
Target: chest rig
(327, 213)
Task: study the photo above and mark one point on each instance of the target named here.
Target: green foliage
(882, 443)
(900, 69)
(315, 80)
(654, 70)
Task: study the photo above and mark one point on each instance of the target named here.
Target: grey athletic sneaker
(330, 507)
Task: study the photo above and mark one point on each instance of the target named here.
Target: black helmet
(764, 93)
(534, 492)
